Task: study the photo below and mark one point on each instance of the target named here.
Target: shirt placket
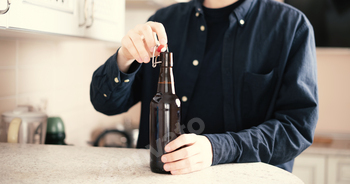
(229, 77)
(196, 58)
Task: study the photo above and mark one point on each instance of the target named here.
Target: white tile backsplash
(34, 53)
(54, 76)
(35, 79)
(7, 104)
(7, 82)
(7, 52)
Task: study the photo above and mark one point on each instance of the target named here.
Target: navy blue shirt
(211, 107)
(266, 73)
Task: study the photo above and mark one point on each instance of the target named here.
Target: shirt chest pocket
(256, 97)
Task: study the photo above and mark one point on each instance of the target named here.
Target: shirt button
(184, 98)
(241, 22)
(197, 14)
(116, 80)
(126, 80)
(195, 62)
(104, 95)
(202, 28)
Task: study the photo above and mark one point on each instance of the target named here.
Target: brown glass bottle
(164, 113)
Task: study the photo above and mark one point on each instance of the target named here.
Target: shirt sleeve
(291, 129)
(112, 91)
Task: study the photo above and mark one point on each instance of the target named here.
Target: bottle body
(165, 111)
(164, 127)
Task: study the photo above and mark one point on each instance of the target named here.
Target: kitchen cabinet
(3, 21)
(60, 17)
(4, 4)
(100, 19)
(324, 163)
(310, 168)
(104, 19)
(339, 169)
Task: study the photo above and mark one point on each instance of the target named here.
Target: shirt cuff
(121, 78)
(224, 148)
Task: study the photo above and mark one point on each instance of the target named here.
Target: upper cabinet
(98, 19)
(51, 16)
(104, 19)
(4, 7)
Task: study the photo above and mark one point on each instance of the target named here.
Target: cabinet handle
(7, 8)
(92, 14)
(85, 14)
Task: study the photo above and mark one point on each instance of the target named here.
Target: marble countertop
(28, 163)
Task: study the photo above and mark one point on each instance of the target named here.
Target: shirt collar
(241, 11)
(198, 6)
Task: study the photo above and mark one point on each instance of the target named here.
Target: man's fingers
(182, 140)
(160, 30)
(140, 45)
(180, 154)
(130, 48)
(196, 167)
(147, 32)
(182, 164)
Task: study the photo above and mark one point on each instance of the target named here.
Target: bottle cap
(166, 58)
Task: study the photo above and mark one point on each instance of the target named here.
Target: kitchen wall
(54, 77)
(53, 74)
(334, 90)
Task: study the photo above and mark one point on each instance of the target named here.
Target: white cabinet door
(310, 168)
(52, 16)
(3, 15)
(339, 169)
(105, 19)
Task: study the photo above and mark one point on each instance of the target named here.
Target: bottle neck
(166, 80)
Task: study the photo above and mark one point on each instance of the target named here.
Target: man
(246, 69)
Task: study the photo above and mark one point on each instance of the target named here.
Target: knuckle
(130, 32)
(188, 163)
(184, 138)
(169, 157)
(146, 27)
(189, 168)
(126, 44)
(143, 52)
(193, 136)
(185, 152)
(138, 26)
(159, 25)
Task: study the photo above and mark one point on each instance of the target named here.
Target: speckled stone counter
(68, 164)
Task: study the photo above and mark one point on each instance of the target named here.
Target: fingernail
(151, 49)
(166, 167)
(167, 148)
(164, 159)
(162, 41)
(140, 60)
(173, 172)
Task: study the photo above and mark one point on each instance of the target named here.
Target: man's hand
(195, 154)
(138, 44)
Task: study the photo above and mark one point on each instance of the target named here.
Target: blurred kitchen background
(47, 62)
